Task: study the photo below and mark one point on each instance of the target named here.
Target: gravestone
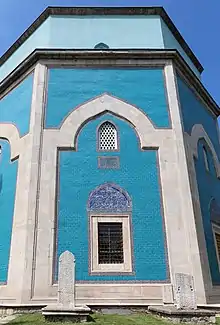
(185, 292)
(66, 309)
(66, 279)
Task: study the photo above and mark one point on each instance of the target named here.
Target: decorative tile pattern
(108, 162)
(109, 198)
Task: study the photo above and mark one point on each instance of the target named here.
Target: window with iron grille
(107, 137)
(217, 239)
(206, 158)
(110, 243)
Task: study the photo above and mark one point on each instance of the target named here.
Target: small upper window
(107, 137)
(101, 46)
(206, 159)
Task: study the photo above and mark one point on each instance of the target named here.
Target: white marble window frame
(216, 230)
(125, 267)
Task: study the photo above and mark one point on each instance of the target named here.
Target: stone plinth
(56, 313)
(197, 316)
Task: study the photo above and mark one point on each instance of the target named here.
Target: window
(110, 240)
(206, 159)
(216, 233)
(217, 239)
(101, 46)
(110, 243)
(109, 208)
(107, 137)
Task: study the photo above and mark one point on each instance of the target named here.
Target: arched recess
(108, 104)
(10, 132)
(198, 133)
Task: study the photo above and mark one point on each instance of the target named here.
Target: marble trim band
(10, 132)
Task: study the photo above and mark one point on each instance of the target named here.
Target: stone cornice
(102, 11)
(87, 57)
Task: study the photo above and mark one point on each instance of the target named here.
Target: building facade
(109, 149)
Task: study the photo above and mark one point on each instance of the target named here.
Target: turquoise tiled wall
(8, 177)
(138, 175)
(194, 112)
(143, 88)
(15, 107)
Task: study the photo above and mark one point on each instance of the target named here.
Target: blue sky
(197, 20)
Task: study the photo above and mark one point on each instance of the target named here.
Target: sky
(197, 20)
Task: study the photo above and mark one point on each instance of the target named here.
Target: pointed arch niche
(198, 133)
(149, 135)
(73, 185)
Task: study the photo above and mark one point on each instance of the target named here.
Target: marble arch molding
(198, 133)
(10, 132)
(149, 135)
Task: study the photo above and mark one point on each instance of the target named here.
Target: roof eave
(49, 11)
(52, 55)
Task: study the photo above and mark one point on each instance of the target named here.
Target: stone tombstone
(66, 280)
(65, 308)
(185, 291)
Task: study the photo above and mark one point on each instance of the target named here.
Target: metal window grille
(110, 243)
(217, 238)
(107, 137)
